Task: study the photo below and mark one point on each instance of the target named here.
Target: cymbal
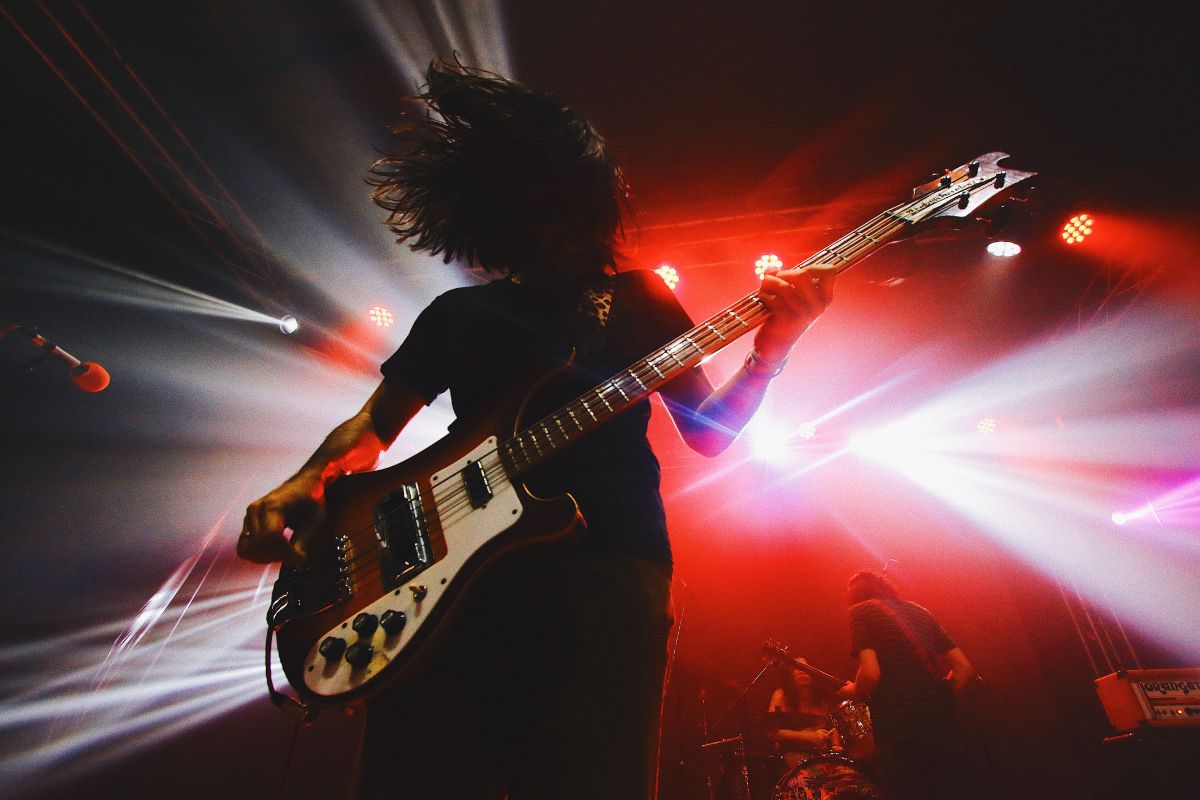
(793, 720)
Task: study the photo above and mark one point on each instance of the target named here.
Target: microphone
(87, 375)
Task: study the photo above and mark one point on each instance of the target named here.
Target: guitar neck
(813, 671)
(779, 655)
(552, 433)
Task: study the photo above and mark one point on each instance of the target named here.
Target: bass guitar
(397, 548)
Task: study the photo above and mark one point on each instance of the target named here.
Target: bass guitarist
(551, 685)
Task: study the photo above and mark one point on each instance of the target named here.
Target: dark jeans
(924, 772)
(551, 689)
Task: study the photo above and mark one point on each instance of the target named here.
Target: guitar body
(395, 553)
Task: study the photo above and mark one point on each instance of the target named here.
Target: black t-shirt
(485, 345)
(912, 704)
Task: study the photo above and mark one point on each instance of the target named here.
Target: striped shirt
(912, 703)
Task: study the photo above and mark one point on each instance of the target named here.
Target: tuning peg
(1001, 179)
(973, 169)
(946, 180)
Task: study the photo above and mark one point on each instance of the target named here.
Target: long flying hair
(490, 167)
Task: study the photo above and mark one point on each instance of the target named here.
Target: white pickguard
(466, 530)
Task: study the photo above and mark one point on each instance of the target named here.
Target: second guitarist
(910, 671)
(551, 685)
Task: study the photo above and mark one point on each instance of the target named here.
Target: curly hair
(490, 164)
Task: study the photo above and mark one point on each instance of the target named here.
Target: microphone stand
(739, 698)
(740, 748)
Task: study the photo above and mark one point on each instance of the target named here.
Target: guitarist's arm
(710, 419)
(961, 673)
(353, 446)
(865, 680)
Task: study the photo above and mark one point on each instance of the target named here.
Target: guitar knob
(365, 624)
(1001, 179)
(393, 621)
(359, 654)
(973, 169)
(946, 180)
(332, 648)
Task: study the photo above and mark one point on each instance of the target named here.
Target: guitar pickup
(403, 535)
(475, 481)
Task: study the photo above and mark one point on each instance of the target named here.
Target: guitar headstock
(776, 651)
(960, 191)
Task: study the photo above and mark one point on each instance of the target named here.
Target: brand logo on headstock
(916, 210)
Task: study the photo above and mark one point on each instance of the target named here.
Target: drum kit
(754, 765)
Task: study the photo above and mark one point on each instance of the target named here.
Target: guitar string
(447, 511)
(642, 372)
(459, 495)
(707, 337)
(750, 306)
(455, 498)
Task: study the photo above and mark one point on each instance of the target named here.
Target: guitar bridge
(310, 588)
(403, 535)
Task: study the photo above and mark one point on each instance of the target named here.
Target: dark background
(220, 147)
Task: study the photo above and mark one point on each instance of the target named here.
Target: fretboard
(552, 433)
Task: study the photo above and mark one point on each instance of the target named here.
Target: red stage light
(669, 275)
(1077, 228)
(381, 317)
(765, 262)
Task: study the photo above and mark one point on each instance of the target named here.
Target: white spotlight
(1004, 249)
(289, 324)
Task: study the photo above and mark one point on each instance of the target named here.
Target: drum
(853, 722)
(828, 776)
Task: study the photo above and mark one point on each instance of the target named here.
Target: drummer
(805, 725)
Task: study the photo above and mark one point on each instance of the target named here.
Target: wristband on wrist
(756, 367)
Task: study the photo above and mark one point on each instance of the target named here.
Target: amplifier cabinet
(1158, 698)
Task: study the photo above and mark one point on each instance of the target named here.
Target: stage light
(381, 317)
(669, 275)
(1077, 228)
(1147, 511)
(886, 445)
(765, 262)
(807, 430)
(1004, 249)
(289, 324)
(986, 425)
(769, 439)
